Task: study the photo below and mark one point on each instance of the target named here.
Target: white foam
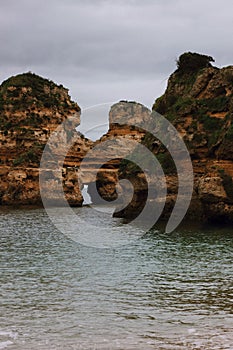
(5, 344)
(191, 330)
(9, 334)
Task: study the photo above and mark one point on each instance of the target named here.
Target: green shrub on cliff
(214, 105)
(29, 80)
(211, 123)
(29, 90)
(31, 156)
(192, 61)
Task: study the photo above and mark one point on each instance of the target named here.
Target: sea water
(160, 291)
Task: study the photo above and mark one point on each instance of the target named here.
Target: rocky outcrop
(31, 108)
(198, 101)
(108, 152)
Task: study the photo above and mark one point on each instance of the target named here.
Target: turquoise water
(159, 292)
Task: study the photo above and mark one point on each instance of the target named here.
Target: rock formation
(31, 108)
(198, 101)
(117, 143)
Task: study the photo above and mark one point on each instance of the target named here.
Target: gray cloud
(106, 50)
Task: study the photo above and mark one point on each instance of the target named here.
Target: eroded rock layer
(198, 101)
(107, 153)
(31, 108)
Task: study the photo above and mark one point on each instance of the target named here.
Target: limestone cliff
(117, 143)
(31, 108)
(198, 101)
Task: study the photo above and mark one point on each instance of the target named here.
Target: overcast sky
(109, 50)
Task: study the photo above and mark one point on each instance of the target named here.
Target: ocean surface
(160, 291)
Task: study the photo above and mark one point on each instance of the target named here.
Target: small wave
(5, 341)
(5, 344)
